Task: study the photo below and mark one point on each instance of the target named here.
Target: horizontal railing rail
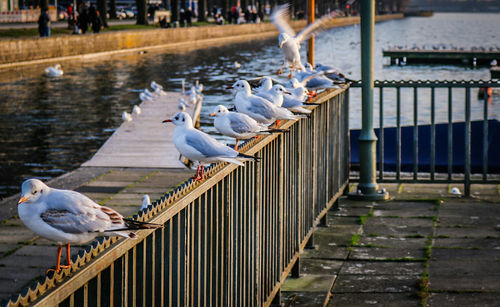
(230, 240)
(453, 104)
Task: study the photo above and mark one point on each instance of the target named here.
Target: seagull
(54, 71)
(144, 97)
(236, 65)
(68, 217)
(199, 87)
(136, 110)
(455, 191)
(239, 125)
(146, 201)
(295, 101)
(258, 108)
(289, 42)
(199, 146)
(266, 85)
(275, 94)
(182, 104)
(155, 86)
(126, 117)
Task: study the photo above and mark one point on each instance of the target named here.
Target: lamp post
(310, 19)
(367, 188)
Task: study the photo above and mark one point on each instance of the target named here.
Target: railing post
(311, 10)
(368, 188)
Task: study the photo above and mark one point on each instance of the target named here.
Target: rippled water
(51, 126)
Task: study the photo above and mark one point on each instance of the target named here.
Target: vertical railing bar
(111, 283)
(485, 135)
(450, 133)
(86, 295)
(381, 133)
(433, 134)
(98, 294)
(467, 142)
(415, 133)
(398, 133)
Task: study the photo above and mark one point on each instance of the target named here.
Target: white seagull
(239, 125)
(54, 71)
(68, 217)
(236, 65)
(146, 201)
(136, 110)
(155, 86)
(126, 117)
(275, 94)
(199, 146)
(289, 42)
(258, 108)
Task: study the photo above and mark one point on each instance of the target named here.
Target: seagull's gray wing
(312, 29)
(261, 106)
(72, 212)
(207, 145)
(279, 19)
(242, 124)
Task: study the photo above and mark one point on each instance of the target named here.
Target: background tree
(174, 9)
(44, 4)
(202, 7)
(112, 9)
(142, 17)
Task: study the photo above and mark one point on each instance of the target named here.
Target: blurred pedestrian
(44, 23)
(214, 11)
(182, 17)
(83, 19)
(189, 15)
(95, 20)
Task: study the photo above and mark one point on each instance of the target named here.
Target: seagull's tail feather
(232, 160)
(274, 131)
(248, 157)
(300, 110)
(311, 104)
(136, 225)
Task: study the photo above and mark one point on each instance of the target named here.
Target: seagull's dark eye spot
(34, 192)
(176, 118)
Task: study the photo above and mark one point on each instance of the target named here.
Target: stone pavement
(425, 247)
(24, 257)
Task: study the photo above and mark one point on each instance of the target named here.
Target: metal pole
(310, 43)
(367, 188)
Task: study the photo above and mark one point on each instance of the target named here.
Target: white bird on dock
(258, 108)
(146, 202)
(155, 86)
(266, 84)
(144, 97)
(149, 93)
(136, 110)
(275, 94)
(182, 104)
(126, 117)
(455, 191)
(199, 146)
(236, 65)
(68, 217)
(199, 87)
(54, 71)
(238, 125)
(289, 42)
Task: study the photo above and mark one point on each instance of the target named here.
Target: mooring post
(367, 188)
(310, 44)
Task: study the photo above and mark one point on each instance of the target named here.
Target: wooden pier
(460, 57)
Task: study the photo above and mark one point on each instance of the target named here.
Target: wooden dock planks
(145, 142)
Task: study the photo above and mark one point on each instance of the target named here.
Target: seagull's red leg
(58, 266)
(276, 124)
(197, 173)
(236, 146)
(202, 172)
(68, 257)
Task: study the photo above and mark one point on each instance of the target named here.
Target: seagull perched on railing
(68, 217)
(238, 125)
(199, 146)
(289, 42)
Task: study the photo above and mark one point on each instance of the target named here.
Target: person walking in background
(189, 15)
(44, 23)
(83, 18)
(96, 21)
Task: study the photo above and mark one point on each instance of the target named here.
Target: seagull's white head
(32, 190)
(181, 119)
(279, 89)
(219, 110)
(241, 86)
(309, 67)
(267, 82)
(283, 38)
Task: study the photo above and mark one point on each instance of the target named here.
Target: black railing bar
(415, 133)
(429, 181)
(432, 83)
(467, 142)
(433, 132)
(485, 136)
(450, 133)
(381, 134)
(398, 132)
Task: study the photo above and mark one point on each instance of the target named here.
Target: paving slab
(454, 283)
(465, 254)
(464, 231)
(469, 243)
(311, 266)
(400, 222)
(399, 242)
(376, 253)
(327, 252)
(309, 283)
(464, 299)
(355, 211)
(306, 299)
(468, 267)
(397, 231)
(375, 283)
(374, 299)
(382, 268)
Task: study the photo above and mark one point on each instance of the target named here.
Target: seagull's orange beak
(22, 200)
(167, 121)
(211, 114)
(288, 93)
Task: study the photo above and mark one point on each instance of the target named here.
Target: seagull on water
(238, 125)
(258, 108)
(68, 217)
(289, 42)
(199, 146)
(54, 71)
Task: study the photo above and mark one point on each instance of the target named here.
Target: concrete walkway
(423, 248)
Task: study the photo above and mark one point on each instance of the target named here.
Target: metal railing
(230, 240)
(452, 104)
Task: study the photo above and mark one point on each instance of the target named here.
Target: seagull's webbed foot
(280, 71)
(290, 76)
(277, 123)
(236, 146)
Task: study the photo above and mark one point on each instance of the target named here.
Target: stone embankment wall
(14, 52)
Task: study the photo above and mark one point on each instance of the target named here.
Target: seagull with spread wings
(290, 42)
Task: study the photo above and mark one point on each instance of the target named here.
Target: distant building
(457, 5)
(8, 5)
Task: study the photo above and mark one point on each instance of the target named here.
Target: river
(51, 126)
